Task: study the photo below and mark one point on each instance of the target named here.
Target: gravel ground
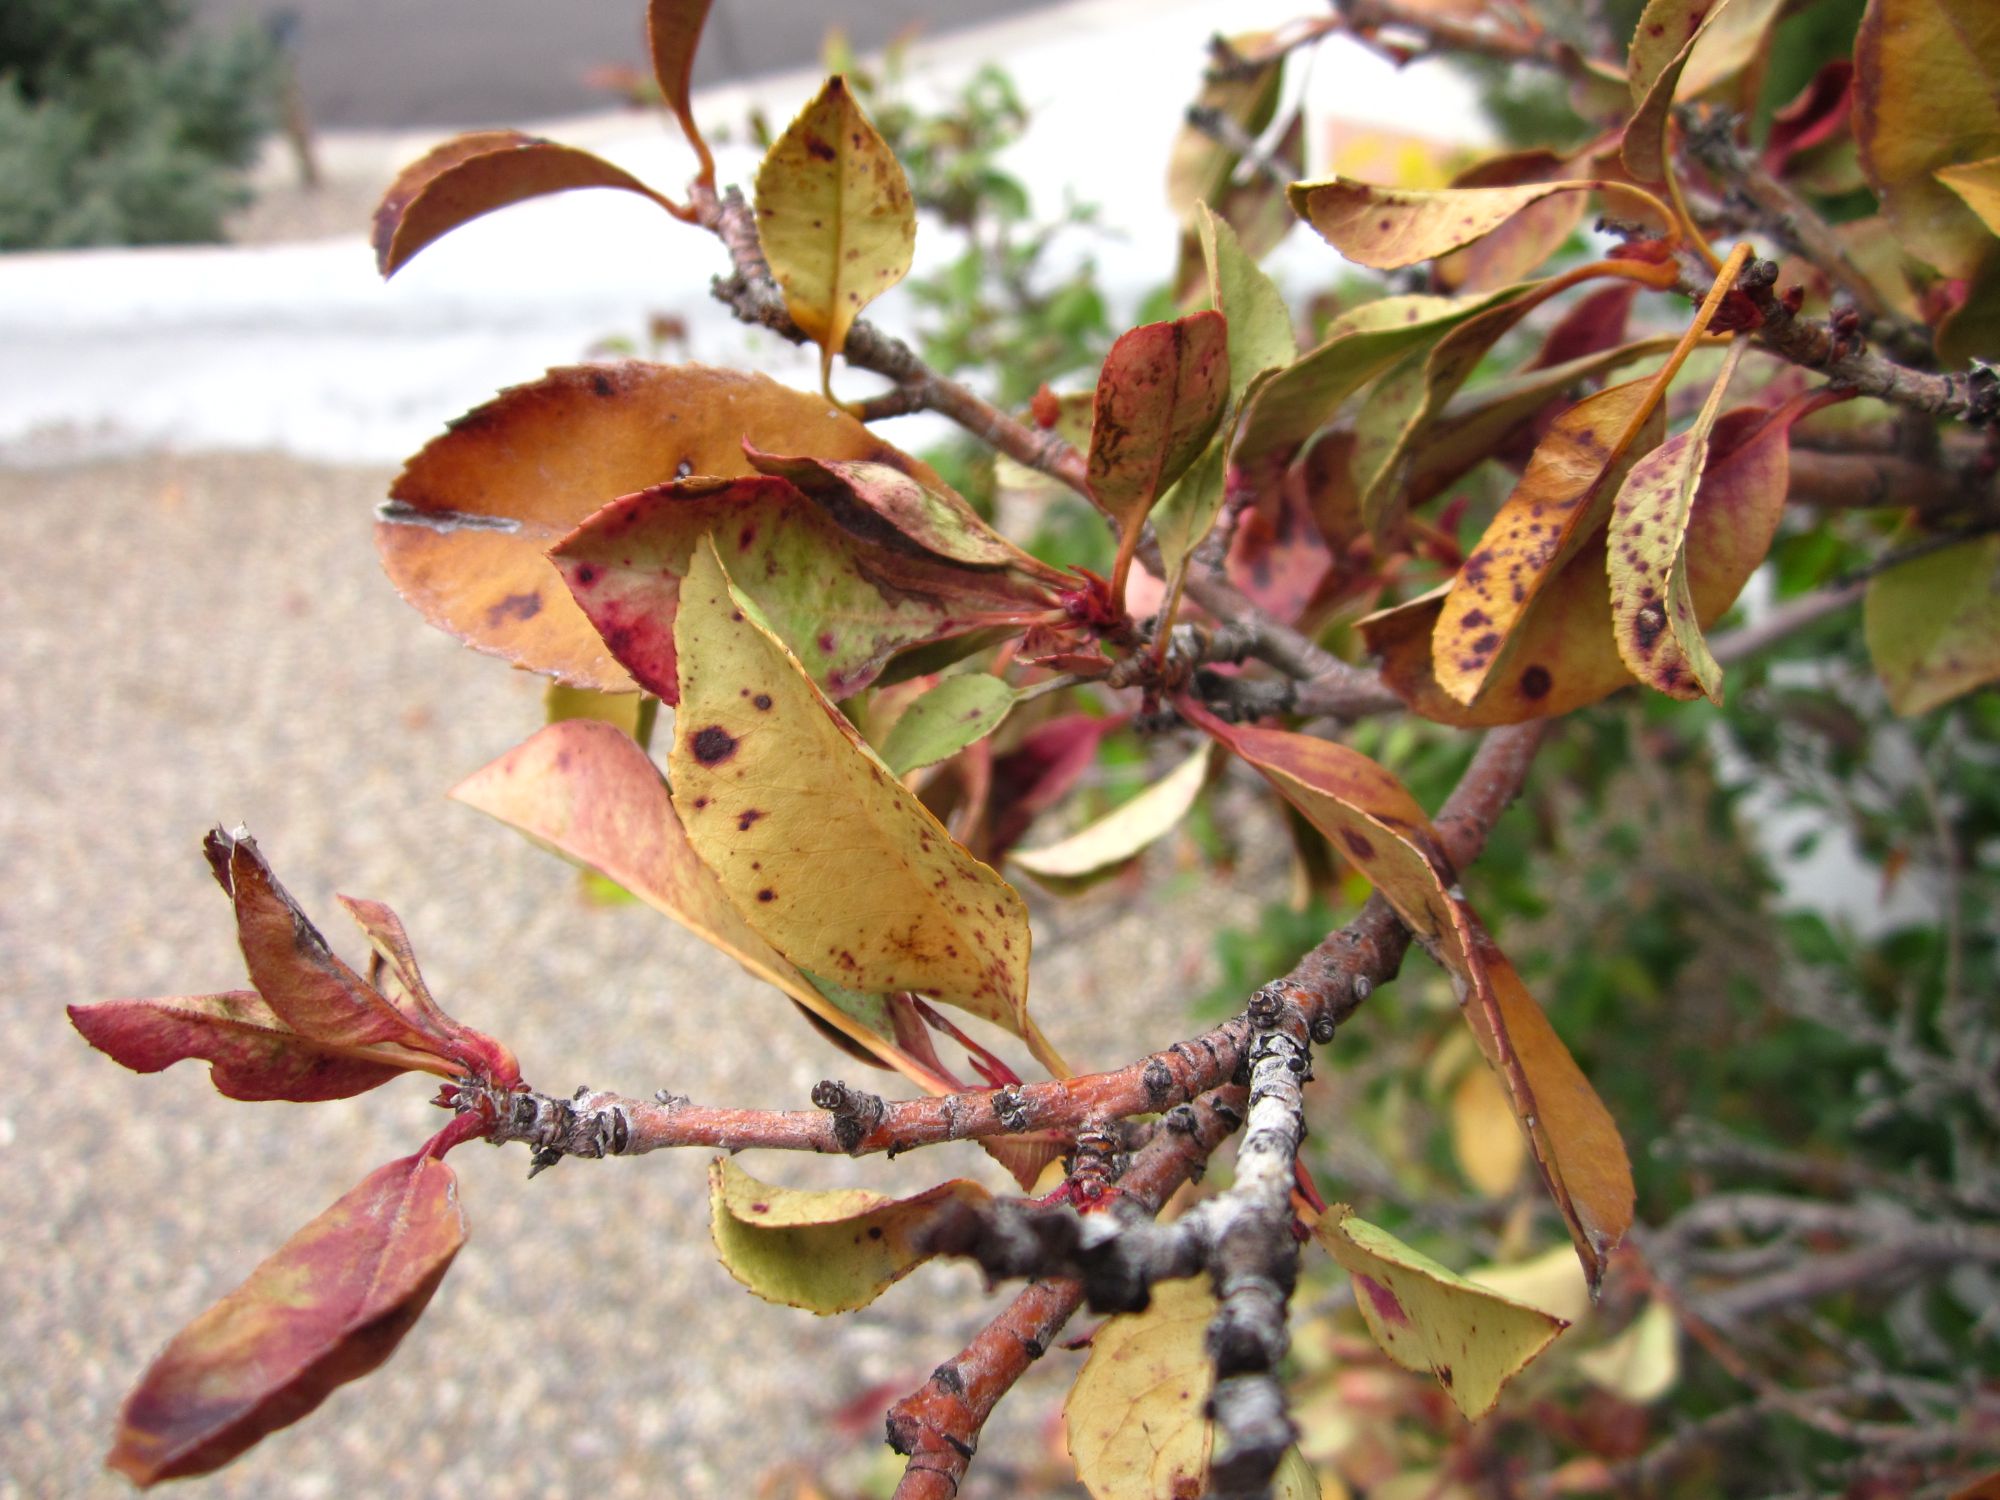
(209, 639)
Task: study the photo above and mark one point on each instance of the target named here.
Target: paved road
(402, 63)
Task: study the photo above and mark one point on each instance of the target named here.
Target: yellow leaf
(1432, 1320)
(821, 850)
(1125, 830)
(1389, 228)
(1552, 1281)
(1933, 625)
(1490, 1151)
(1643, 1362)
(835, 217)
(1978, 183)
(827, 1252)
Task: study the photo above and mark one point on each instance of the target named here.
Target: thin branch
(1783, 621)
(1440, 33)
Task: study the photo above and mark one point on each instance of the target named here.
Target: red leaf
(1815, 116)
(253, 1054)
(329, 1307)
(1037, 773)
(1162, 392)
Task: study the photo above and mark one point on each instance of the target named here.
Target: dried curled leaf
(1933, 625)
(1655, 77)
(1389, 228)
(471, 517)
(474, 174)
(835, 217)
(784, 801)
(826, 1252)
(327, 1308)
(673, 35)
(1432, 1320)
(1161, 393)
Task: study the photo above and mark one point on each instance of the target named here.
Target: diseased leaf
(1134, 1415)
(827, 1252)
(589, 793)
(1562, 655)
(253, 1054)
(1260, 335)
(1161, 393)
(1642, 1363)
(1125, 830)
(946, 719)
(835, 217)
(1558, 505)
(1381, 830)
(1933, 625)
(1652, 604)
(888, 504)
(327, 1308)
(470, 518)
(1927, 97)
(673, 34)
(824, 853)
(1654, 79)
(474, 174)
(1389, 228)
(1978, 183)
(393, 973)
(1432, 1320)
(1518, 247)
(843, 605)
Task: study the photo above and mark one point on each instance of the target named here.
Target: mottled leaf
(1372, 820)
(826, 1252)
(842, 605)
(1927, 97)
(1933, 624)
(253, 1054)
(1389, 228)
(329, 1307)
(1559, 503)
(1431, 1320)
(1642, 1364)
(474, 174)
(835, 217)
(824, 853)
(1652, 603)
(1161, 393)
(1519, 246)
(946, 719)
(1562, 655)
(673, 34)
(1260, 333)
(589, 793)
(1125, 830)
(1654, 80)
(470, 518)
(1978, 183)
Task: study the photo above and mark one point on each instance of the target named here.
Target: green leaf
(1933, 625)
(1122, 832)
(826, 1252)
(835, 217)
(1260, 325)
(946, 719)
(1187, 512)
(1430, 1319)
(1652, 601)
(821, 850)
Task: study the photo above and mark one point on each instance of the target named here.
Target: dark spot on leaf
(1387, 1308)
(1360, 846)
(601, 384)
(748, 816)
(714, 744)
(1487, 644)
(767, 894)
(826, 641)
(762, 700)
(818, 149)
(513, 607)
(874, 1231)
(1443, 1373)
(1536, 682)
(586, 575)
(1474, 618)
(1647, 625)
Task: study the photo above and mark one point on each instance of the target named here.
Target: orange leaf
(329, 1307)
(673, 33)
(474, 174)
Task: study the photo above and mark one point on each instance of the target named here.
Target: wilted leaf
(843, 605)
(946, 719)
(824, 853)
(673, 33)
(1520, 245)
(1432, 1320)
(329, 1307)
(1978, 183)
(1652, 604)
(1933, 624)
(471, 516)
(474, 174)
(1382, 831)
(1489, 1153)
(254, 1055)
(590, 794)
(1125, 830)
(1926, 97)
(1557, 506)
(1562, 655)
(835, 217)
(1655, 78)
(1158, 400)
(1260, 333)
(1642, 1363)
(827, 1252)
(1389, 228)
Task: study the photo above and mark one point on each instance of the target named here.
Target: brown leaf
(329, 1307)
(1389, 228)
(1518, 247)
(471, 517)
(253, 1054)
(1158, 400)
(1656, 66)
(673, 33)
(472, 175)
